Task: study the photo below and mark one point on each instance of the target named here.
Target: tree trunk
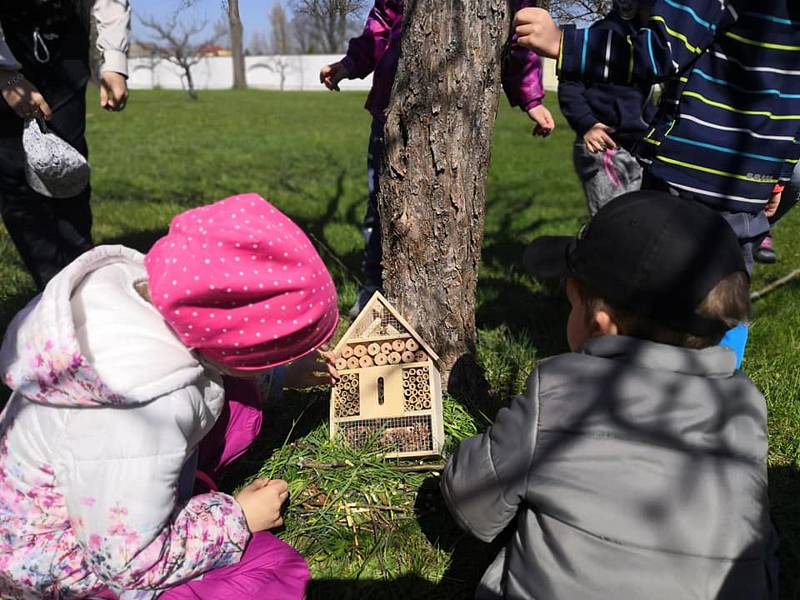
(190, 82)
(237, 46)
(432, 183)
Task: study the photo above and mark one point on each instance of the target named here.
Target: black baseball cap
(649, 252)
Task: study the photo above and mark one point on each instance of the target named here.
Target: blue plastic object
(736, 340)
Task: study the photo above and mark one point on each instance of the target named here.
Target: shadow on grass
(470, 558)
(296, 415)
(138, 240)
(343, 266)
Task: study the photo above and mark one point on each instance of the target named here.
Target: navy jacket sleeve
(676, 34)
(575, 107)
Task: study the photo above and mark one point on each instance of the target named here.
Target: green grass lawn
(306, 152)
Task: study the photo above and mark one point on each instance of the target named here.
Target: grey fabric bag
(53, 168)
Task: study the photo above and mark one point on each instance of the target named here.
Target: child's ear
(603, 324)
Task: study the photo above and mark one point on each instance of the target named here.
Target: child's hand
(315, 368)
(598, 138)
(544, 120)
(331, 75)
(261, 503)
(773, 203)
(536, 30)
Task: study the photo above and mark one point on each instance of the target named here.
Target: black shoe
(765, 253)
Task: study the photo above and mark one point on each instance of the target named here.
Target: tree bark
(187, 69)
(432, 184)
(237, 45)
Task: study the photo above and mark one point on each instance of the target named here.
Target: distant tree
(281, 39)
(180, 43)
(305, 38)
(259, 44)
(237, 43)
(332, 20)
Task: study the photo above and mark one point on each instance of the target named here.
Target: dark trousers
(48, 233)
(373, 251)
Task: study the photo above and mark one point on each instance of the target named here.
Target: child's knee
(279, 555)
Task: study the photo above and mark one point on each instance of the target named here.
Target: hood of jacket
(43, 357)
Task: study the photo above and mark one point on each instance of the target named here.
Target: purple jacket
(378, 49)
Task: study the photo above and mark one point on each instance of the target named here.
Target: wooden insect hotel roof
(389, 393)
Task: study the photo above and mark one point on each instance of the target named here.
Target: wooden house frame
(390, 387)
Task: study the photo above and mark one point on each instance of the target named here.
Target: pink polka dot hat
(239, 282)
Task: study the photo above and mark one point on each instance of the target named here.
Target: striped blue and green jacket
(728, 123)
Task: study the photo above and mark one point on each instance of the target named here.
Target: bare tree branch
(334, 20)
(280, 42)
(178, 43)
(571, 11)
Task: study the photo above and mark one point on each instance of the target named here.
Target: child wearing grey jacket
(635, 466)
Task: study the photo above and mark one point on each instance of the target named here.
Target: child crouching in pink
(119, 406)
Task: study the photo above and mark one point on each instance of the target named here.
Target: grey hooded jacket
(635, 470)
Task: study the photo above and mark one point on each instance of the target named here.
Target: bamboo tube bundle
(365, 362)
(381, 359)
(352, 363)
(412, 345)
(346, 403)
(341, 364)
(407, 356)
(347, 352)
(398, 345)
(374, 349)
(406, 374)
(347, 406)
(386, 348)
(360, 350)
(395, 358)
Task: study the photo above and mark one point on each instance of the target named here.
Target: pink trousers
(269, 568)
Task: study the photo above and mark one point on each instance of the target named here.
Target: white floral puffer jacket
(107, 407)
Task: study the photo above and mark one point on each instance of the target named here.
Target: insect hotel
(390, 389)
